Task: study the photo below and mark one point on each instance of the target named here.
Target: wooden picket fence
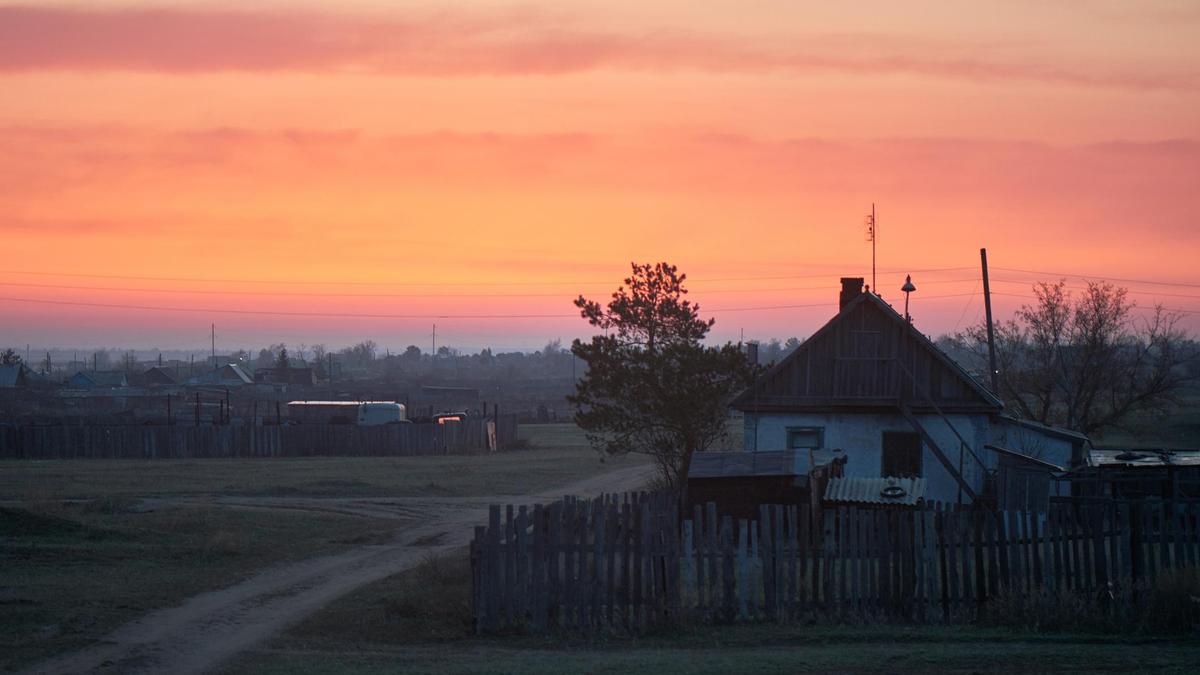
(634, 561)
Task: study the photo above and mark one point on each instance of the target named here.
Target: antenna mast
(872, 235)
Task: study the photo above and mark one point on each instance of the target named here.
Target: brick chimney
(852, 287)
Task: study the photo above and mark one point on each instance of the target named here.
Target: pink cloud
(457, 44)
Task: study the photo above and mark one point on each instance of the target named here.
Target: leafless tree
(1087, 362)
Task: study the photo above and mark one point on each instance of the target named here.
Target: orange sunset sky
(331, 172)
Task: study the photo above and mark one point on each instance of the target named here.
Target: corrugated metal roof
(890, 491)
(1143, 458)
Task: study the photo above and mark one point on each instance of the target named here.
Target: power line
(1133, 291)
(1099, 277)
(292, 282)
(310, 294)
(368, 315)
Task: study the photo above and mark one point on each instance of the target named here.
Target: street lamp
(908, 287)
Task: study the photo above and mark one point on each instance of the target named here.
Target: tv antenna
(872, 235)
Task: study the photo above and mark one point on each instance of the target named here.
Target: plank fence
(303, 440)
(634, 561)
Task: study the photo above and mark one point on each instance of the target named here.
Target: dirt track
(209, 628)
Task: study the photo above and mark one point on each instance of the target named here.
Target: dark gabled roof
(12, 376)
(103, 378)
(756, 397)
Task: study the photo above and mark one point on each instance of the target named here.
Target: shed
(1022, 482)
(738, 482)
(1138, 473)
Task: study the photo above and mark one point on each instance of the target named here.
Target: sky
(312, 172)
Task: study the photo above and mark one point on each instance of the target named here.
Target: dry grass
(1170, 604)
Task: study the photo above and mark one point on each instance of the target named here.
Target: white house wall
(860, 437)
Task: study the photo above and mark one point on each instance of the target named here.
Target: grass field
(558, 454)
(88, 545)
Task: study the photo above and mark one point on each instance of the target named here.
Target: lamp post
(908, 287)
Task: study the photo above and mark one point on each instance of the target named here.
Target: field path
(209, 628)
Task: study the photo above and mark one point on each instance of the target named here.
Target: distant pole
(168, 410)
(991, 336)
(433, 350)
(214, 345)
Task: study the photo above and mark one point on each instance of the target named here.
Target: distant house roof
(12, 376)
(154, 376)
(866, 356)
(284, 375)
(99, 379)
(875, 491)
(229, 374)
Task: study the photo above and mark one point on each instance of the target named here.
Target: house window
(901, 454)
(805, 438)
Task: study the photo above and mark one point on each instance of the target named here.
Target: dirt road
(206, 630)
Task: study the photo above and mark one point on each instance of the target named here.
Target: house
(294, 376)
(13, 376)
(228, 375)
(869, 384)
(156, 376)
(98, 379)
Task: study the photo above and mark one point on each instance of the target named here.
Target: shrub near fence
(302, 440)
(631, 563)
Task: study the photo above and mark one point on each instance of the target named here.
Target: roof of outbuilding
(876, 491)
(726, 464)
(1143, 458)
(1061, 432)
(1023, 457)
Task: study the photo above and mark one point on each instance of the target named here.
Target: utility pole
(433, 351)
(991, 336)
(214, 345)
